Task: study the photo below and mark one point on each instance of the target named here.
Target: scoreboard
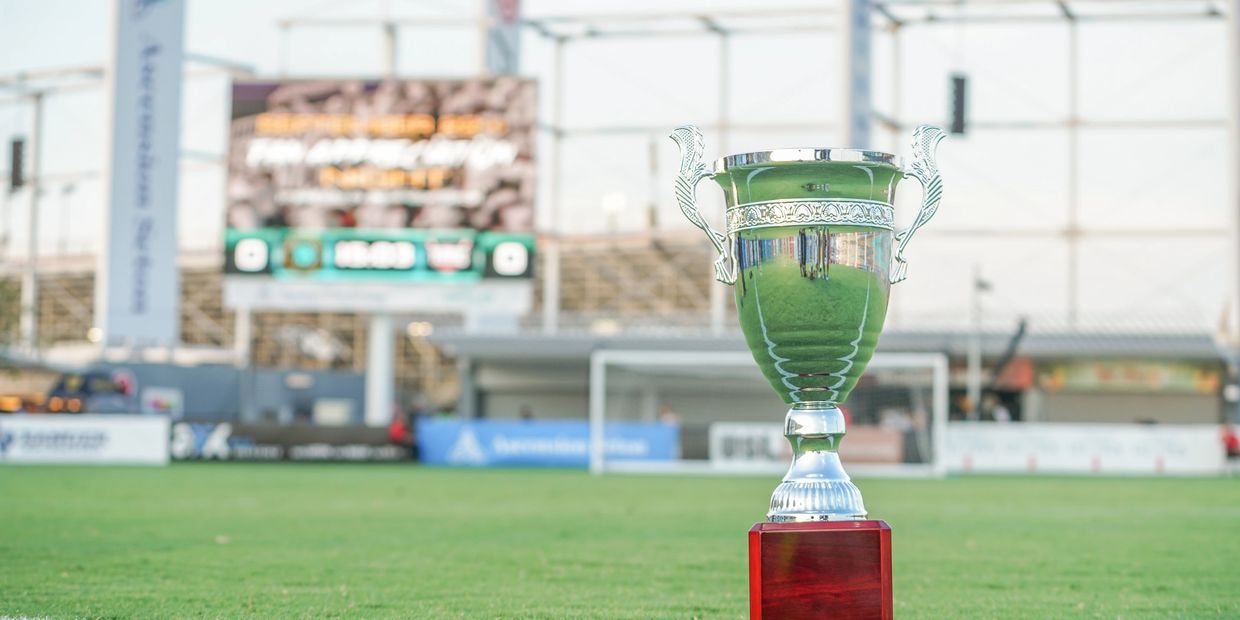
(403, 256)
(396, 182)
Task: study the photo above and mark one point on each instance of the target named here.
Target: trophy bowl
(811, 252)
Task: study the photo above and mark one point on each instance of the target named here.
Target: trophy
(811, 253)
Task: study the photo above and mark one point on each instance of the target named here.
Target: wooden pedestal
(820, 570)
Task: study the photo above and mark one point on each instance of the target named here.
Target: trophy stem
(816, 488)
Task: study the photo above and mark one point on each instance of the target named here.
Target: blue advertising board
(560, 443)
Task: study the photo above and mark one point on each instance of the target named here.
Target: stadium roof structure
(793, 18)
(1060, 337)
(891, 14)
(897, 13)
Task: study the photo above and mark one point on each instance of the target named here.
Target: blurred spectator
(667, 415)
(994, 410)
(400, 431)
(1231, 441)
(526, 413)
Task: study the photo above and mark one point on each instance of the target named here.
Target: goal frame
(602, 359)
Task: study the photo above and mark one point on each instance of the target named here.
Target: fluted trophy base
(816, 487)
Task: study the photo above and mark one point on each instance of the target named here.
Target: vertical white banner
(504, 37)
(137, 286)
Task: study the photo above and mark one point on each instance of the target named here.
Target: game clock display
(382, 255)
(391, 182)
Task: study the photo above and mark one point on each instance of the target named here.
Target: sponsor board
(212, 441)
(562, 443)
(1157, 376)
(380, 184)
(750, 443)
(1084, 448)
(84, 439)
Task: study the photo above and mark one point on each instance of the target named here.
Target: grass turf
(378, 541)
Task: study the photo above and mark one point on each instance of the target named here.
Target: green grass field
(378, 541)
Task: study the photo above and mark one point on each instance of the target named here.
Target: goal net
(729, 419)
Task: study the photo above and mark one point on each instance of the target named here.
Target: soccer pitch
(393, 541)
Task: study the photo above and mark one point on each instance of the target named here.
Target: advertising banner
(742, 444)
(224, 441)
(1084, 448)
(1131, 376)
(562, 443)
(339, 182)
(748, 443)
(138, 290)
(84, 439)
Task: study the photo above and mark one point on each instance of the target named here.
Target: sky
(1152, 202)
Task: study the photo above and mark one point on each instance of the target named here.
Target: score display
(391, 256)
(380, 182)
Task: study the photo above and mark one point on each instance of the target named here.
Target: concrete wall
(226, 393)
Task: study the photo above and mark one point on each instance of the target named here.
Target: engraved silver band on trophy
(924, 168)
(825, 211)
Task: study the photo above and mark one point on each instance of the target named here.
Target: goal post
(730, 421)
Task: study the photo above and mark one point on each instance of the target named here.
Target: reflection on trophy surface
(809, 249)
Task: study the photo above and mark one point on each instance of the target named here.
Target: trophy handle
(692, 171)
(925, 169)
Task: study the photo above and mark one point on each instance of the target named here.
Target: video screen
(406, 180)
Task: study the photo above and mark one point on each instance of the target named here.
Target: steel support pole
(6, 222)
(467, 390)
(854, 58)
(897, 77)
(975, 348)
(1228, 338)
(380, 371)
(597, 398)
(719, 290)
(284, 43)
(62, 236)
(243, 334)
(484, 37)
(391, 55)
(1073, 230)
(652, 208)
(1232, 66)
(649, 405)
(30, 277)
(939, 412)
(551, 244)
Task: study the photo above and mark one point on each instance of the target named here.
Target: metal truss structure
(893, 17)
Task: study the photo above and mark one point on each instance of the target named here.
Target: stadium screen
(393, 181)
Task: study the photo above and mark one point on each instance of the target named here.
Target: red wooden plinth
(820, 570)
